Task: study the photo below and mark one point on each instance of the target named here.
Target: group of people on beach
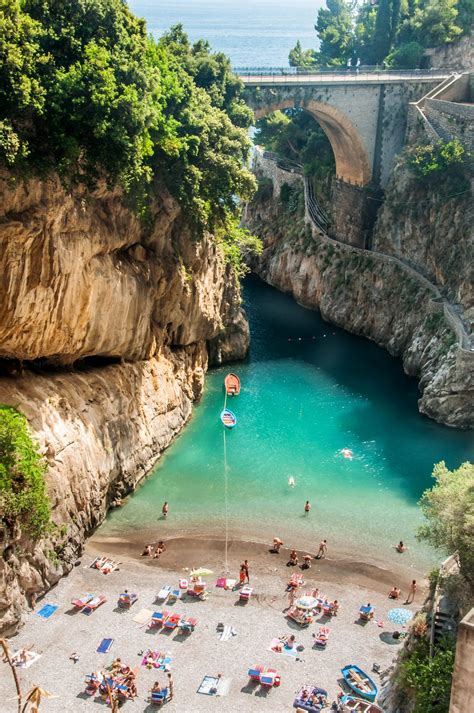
(155, 552)
(307, 559)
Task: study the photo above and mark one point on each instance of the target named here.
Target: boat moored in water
(359, 682)
(232, 384)
(228, 418)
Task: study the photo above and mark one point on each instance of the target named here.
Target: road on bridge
(280, 77)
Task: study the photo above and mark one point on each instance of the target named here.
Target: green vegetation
(427, 680)
(391, 32)
(294, 135)
(444, 166)
(84, 92)
(237, 244)
(23, 499)
(449, 510)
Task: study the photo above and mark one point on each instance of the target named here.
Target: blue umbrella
(400, 616)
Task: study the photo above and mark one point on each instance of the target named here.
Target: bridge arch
(352, 163)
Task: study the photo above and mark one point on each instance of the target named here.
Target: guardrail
(348, 72)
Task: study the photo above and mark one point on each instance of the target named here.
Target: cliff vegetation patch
(24, 503)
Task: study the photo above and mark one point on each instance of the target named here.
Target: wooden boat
(352, 703)
(232, 385)
(228, 418)
(360, 682)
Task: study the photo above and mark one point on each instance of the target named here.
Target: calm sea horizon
(253, 33)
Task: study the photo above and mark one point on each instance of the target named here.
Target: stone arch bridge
(364, 116)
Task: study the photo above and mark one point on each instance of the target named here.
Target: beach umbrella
(306, 602)
(201, 572)
(400, 616)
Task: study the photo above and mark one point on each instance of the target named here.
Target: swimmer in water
(291, 482)
(347, 453)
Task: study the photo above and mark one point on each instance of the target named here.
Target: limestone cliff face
(83, 285)
(370, 294)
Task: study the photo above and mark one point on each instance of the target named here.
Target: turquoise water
(256, 33)
(308, 390)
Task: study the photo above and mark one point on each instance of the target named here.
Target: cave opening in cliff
(50, 365)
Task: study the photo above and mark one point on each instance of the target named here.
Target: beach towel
(286, 651)
(223, 687)
(47, 611)
(143, 616)
(227, 632)
(208, 686)
(160, 660)
(105, 646)
(221, 582)
(32, 657)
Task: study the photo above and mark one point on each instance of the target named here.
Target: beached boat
(232, 385)
(360, 682)
(351, 703)
(228, 418)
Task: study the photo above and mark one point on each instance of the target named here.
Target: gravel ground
(200, 653)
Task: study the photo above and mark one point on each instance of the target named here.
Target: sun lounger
(255, 672)
(366, 613)
(82, 601)
(94, 604)
(172, 621)
(159, 697)
(92, 684)
(269, 677)
(296, 580)
(126, 600)
(163, 593)
(105, 646)
(187, 624)
(321, 638)
(300, 617)
(47, 610)
(245, 593)
(174, 595)
(158, 618)
(198, 590)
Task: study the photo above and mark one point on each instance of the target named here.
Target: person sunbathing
(156, 687)
(160, 548)
(116, 665)
(304, 694)
(394, 593)
(148, 551)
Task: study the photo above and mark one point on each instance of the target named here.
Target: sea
(309, 390)
(253, 33)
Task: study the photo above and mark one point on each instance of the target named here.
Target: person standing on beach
(322, 550)
(170, 686)
(307, 507)
(164, 509)
(411, 593)
(244, 572)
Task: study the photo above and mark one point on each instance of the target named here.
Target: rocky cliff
(372, 295)
(106, 328)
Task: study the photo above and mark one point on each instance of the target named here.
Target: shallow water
(255, 33)
(308, 390)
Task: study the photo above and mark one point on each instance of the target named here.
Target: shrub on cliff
(449, 509)
(426, 680)
(443, 165)
(87, 94)
(23, 498)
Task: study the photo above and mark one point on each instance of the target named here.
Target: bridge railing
(322, 73)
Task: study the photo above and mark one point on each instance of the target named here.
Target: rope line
(226, 500)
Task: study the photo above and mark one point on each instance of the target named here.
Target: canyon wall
(374, 295)
(107, 325)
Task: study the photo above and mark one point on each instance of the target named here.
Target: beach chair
(269, 678)
(94, 604)
(327, 608)
(159, 697)
(300, 617)
(366, 613)
(245, 593)
(198, 590)
(158, 618)
(82, 601)
(321, 638)
(296, 580)
(255, 672)
(173, 596)
(92, 684)
(187, 624)
(172, 621)
(163, 593)
(126, 600)
(183, 584)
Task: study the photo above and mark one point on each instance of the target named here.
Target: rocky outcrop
(372, 295)
(106, 327)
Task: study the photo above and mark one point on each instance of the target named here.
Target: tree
(299, 57)
(334, 29)
(427, 679)
(386, 25)
(449, 509)
(406, 56)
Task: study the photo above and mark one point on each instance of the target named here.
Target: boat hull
(232, 385)
(228, 418)
(359, 705)
(354, 676)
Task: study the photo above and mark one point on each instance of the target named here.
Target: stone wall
(452, 120)
(456, 55)
(462, 692)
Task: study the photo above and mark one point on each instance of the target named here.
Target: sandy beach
(201, 653)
